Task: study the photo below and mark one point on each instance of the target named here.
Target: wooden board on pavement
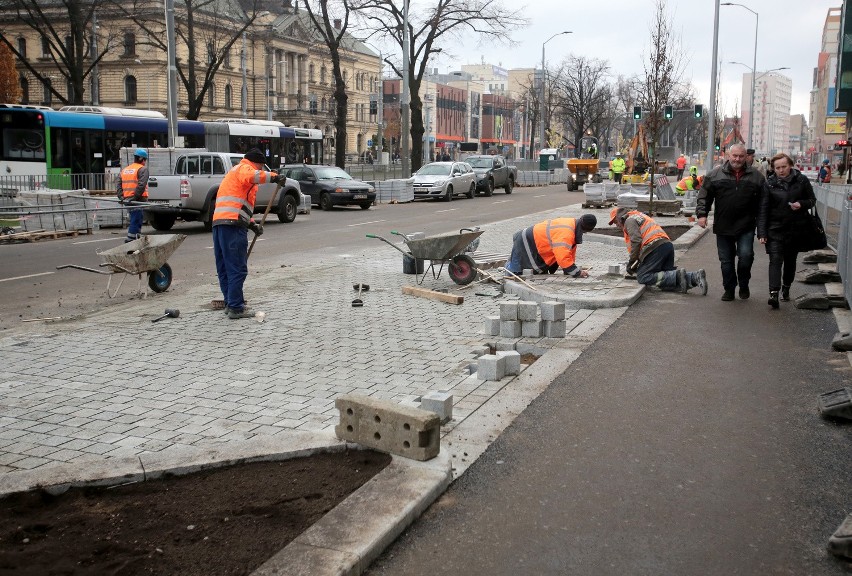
(432, 295)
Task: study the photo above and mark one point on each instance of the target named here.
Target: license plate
(359, 196)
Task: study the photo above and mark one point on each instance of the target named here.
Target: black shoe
(785, 293)
(773, 300)
(744, 293)
(728, 295)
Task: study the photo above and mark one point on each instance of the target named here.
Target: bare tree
(663, 70)
(583, 96)
(332, 36)
(430, 29)
(207, 28)
(66, 32)
(10, 88)
(530, 109)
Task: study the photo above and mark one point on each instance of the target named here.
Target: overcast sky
(789, 34)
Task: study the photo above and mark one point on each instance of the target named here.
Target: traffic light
(637, 112)
(668, 112)
(374, 107)
(699, 110)
(717, 144)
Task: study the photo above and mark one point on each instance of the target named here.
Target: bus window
(23, 145)
(59, 153)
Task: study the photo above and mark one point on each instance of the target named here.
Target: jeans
(658, 269)
(230, 245)
(742, 248)
(134, 228)
(781, 255)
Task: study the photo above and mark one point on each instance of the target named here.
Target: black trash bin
(412, 265)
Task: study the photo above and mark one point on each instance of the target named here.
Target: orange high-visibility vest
(649, 229)
(130, 180)
(556, 241)
(687, 183)
(237, 193)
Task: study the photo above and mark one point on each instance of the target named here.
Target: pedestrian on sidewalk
(232, 218)
(787, 197)
(735, 189)
(824, 175)
(651, 253)
(132, 188)
(549, 245)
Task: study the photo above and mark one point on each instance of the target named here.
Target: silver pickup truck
(190, 191)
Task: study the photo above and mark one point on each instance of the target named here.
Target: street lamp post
(754, 77)
(541, 90)
(753, 67)
(405, 101)
(380, 96)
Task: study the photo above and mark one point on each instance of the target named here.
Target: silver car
(444, 180)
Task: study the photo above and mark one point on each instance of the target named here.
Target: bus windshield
(22, 137)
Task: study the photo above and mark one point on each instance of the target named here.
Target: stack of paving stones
(521, 319)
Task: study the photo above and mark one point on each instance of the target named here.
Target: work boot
(785, 293)
(728, 295)
(773, 299)
(234, 314)
(744, 293)
(700, 277)
(683, 281)
(226, 310)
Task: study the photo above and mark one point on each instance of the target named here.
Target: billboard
(835, 125)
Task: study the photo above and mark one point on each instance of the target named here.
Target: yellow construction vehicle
(584, 168)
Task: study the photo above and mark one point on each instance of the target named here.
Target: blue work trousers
(741, 249)
(230, 246)
(134, 228)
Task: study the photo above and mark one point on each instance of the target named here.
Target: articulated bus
(78, 146)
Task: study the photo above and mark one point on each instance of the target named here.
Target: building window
(324, 104)
(311, 73)
(25, 90)
(211, 96)
(227, 59)
(69, 90)
(45, 47)
(22, 48)
(228, 96)
(129, 44)
(322, 76)
(130, 90)
(211, 52)
(47, 95)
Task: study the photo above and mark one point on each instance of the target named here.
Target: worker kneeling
(652, 253)
(547, 246)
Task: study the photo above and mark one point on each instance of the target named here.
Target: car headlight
(439, 182)
(341, 190)
(370, 189)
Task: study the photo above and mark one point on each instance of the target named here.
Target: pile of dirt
(223, 521)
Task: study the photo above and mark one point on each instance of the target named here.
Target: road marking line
(101, 240)
(500, 201)
(447, 210)
(540, 196)
(365, 223)
(27, 276)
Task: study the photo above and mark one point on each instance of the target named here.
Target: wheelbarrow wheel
(159, 280)
(462, 269)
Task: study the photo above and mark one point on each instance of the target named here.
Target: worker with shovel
(231, 218)
(547, 246)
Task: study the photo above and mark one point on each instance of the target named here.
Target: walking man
(735, 189)
(651, 253)
(549, 245)
(134, 188)
(231, 218)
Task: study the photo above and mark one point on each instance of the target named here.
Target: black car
(331, 186)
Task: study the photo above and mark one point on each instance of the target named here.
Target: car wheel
(489, 187)
(159, 280)
(365, 205)
(510, 183)
(472, 192)
(325, 202)
(162, 222)
(462, 269)
(207, 217)
(287, 209)
(597, 179)
(449, 195)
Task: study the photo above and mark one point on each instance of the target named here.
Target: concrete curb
(626, 293)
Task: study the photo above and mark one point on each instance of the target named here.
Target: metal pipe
(405, 102)
(711, 117)
(541, 90)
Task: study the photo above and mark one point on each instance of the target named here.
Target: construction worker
(231, 218)
(651, 253)
(133, 187)
(550, 245)
(618, 166)
(691, 182)
(681, 166)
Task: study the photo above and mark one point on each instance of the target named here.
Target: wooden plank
(432, 295)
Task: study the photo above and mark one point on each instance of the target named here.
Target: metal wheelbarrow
(442, 249)
(145, 255)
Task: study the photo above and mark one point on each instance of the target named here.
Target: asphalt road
(31, 287)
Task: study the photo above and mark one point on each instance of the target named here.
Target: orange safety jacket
(237, 193)
(556, 242)
(688, 184)
(130, 181)
(648, 228)
(681, 163)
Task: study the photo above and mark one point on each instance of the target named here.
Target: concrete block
(553, 328)
(513, 362)
(508, 310)
(531, 329)
(439, 402)
(504, 345)
(410, 403)
(492, 325)
(552, 311)
(480, 350)
(527, 311)
(491, 367)
(388, 427)
(510, 328)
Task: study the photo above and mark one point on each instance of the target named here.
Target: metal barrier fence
(11, 185)
(835, 209)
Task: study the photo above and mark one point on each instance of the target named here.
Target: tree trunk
(417, 128)
(340, 137)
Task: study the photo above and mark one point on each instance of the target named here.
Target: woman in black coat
(787, 197)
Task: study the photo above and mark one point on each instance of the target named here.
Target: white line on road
(365, 223)
(540, 196)
(447, 210)
(100, 240)
(501, 201)
(27, 276)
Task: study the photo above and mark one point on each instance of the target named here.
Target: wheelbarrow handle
(82, 268)
(395, 233)
(386, 241)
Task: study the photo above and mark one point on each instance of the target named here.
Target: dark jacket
(775, 219)
(736, 200)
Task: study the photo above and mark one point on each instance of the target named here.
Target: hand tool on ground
(265, 214)
(357, 303)
(170, 313)
(518, 278)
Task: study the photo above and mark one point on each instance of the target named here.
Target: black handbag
(811, 234)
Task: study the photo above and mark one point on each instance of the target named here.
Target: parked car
(492, 171)
(330, 186)
(444, 180)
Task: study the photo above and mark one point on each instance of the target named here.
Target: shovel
(357, 303)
